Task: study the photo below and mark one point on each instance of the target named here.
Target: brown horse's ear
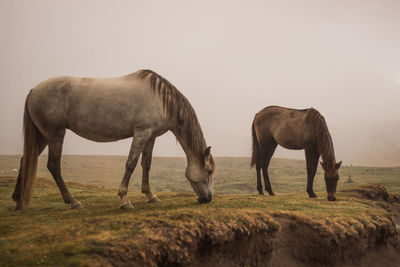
(337, 165)
(322, 164)
(207, 151)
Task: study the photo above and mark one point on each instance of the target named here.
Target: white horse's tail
(32, 137)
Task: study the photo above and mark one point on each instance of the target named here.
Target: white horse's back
(99, 109)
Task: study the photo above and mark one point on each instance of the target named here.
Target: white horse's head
(199, 173)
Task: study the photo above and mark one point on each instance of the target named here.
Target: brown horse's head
(331, 179)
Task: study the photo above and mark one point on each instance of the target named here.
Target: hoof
(126, 205)
(18, 206)
(271, 193)
(153, 199)
(76, 205)
(312, 195)
(261, 193)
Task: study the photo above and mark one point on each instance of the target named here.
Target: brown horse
(294, 129)
(142, 105)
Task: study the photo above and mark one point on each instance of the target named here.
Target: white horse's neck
(193, 157)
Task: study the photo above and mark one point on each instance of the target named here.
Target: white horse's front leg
(146, 163)
(140, 139)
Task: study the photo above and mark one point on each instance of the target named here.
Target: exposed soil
(277, 239)
(201, 243)
(302, 244)
(376, 192)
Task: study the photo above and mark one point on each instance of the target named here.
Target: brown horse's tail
(32, 138)
(254, 155)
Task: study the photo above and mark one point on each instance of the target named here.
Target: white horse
(142, 105)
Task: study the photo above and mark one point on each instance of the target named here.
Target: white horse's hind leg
(146, 163)
(54, 166)
(140, 140)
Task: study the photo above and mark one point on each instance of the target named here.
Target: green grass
(49, 233)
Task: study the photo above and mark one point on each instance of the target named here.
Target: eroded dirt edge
(262, 239)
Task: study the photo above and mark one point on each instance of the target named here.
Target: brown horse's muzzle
(331, 184)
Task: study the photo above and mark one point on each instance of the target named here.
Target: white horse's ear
(208, 161)
(337, 165)
(322, 164)
(207, 151)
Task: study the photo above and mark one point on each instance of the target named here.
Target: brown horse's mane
(324, 139)
(178, 108)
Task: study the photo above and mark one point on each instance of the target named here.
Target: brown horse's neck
(325, 146)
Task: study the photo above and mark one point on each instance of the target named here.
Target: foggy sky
(229, 58)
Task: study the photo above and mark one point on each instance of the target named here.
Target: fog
(229, 58)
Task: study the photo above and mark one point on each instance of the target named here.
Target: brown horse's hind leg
(312, 157)
(138, 144)
(17, 191)
(269, 151)
(146, 163)
(54, 166)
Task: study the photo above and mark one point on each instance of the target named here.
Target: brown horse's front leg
(312, 163)
(268, 186)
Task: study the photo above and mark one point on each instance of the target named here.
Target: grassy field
(232, 175)
(49, 233)
(169, 232)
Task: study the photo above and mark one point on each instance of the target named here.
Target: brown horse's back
(287, 127)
